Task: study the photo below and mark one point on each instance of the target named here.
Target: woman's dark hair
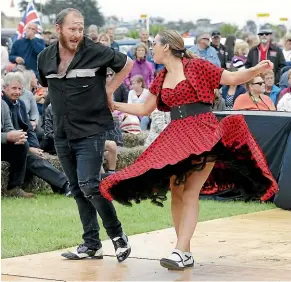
(60, 18)
(176, 44)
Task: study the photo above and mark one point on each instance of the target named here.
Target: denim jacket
(211, 54)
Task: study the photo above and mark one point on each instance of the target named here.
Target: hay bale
(131, 140)
(4, 175)
(127, 156)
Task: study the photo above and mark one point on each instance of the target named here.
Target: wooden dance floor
(253, 247)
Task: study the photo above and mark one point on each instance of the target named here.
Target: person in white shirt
(4, 58)
(138, 95)
(284, 104)
(287, 47)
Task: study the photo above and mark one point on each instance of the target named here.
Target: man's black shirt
(78, 98)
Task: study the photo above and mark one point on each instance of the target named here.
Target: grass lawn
(51, 222)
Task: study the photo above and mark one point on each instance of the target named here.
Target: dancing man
(74, 70)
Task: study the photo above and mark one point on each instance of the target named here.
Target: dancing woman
(195, 153)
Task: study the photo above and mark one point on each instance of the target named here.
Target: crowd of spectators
(27, 130)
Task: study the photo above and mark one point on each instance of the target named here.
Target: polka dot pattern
(194, 135)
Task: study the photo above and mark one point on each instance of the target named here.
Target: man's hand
(17, 136)
(36, 151)
(33, 124)
(19, 60)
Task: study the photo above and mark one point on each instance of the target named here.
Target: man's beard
(65, 43)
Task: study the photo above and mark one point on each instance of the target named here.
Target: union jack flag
(30, 15)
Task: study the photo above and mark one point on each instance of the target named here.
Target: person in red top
(195, 153)
(266, 51)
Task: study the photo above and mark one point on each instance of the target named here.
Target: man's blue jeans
(81, 160)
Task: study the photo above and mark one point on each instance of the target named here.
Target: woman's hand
(264, 66)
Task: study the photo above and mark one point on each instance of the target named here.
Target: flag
(30, 15)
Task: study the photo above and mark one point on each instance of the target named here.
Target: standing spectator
(230, 43)
(138, 95)
(93, 32)
(253, 41)
(287, 48)
(144, 38)
(271, 89)
(46, 37)
(121, 93)
(254, 99)
(141, 66)
(241, 50)
(204, 50)
(14, 151)
(24, 51)
(36, 163)
(111, 33)
(266, 51)
(104, 39)
(219, 47)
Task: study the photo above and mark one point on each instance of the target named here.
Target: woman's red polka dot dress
(240, 163)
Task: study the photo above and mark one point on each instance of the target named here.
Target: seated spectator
(160, 120)
(110, 154)
(121, 93)
(241, 50)
(36, 163)
(219, 103)
(141, 66)
(104, 39)
(283, 83)
(138, 95)
(14, 151)
(130, 124)
(230, 93)
(30, 103)
(285, 103)
(287, 89)
(47, 143)
(287, 49)
(4, 58)
(254, 99)
(271, 89)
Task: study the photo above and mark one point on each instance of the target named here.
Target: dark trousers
(16, 156)
(48, 145)
(81, 161)
(44, 170)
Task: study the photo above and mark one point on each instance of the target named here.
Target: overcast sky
(233, 11)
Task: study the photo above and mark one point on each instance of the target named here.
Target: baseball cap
(215, 33)
(265, 31)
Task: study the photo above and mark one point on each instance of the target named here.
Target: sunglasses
(265, 33)
(109, 74)
(206, 39)
(259, 83)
